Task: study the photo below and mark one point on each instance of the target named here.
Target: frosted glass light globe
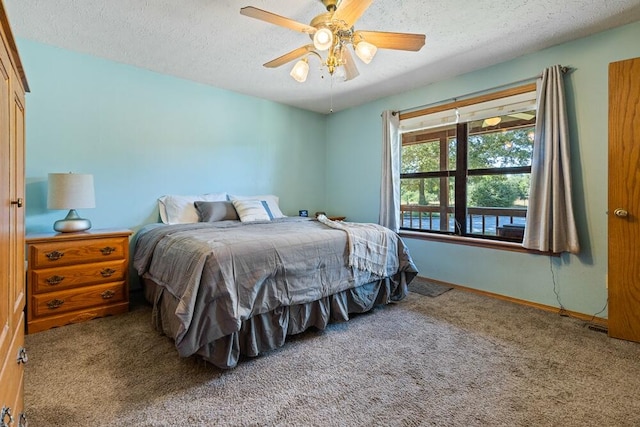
(323, 39)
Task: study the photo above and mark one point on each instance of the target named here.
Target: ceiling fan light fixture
(300, 71)
(366, 51)
(331, 32)
(323, 39)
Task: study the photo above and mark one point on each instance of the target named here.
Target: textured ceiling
(208, 41)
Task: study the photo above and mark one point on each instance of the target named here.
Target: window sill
(470, 241)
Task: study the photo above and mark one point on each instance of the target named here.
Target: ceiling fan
(332, 32)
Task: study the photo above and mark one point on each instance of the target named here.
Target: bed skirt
(268, 331)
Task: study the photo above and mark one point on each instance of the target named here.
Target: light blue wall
(143, 134)
(353, 176)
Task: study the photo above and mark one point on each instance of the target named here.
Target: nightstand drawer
(53, 254)
(76, 299)
(57, 279)
(74, 277)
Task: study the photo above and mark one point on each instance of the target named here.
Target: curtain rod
(563, 69)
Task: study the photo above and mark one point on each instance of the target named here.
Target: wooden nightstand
(73, 277)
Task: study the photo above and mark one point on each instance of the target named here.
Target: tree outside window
(471, 178)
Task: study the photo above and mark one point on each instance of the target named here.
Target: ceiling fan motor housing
(330, 4)
(338, 28)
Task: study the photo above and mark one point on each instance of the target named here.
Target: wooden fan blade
(272, 18)
(350, 69)
(350, 10)
(288, 57)
(399, 41)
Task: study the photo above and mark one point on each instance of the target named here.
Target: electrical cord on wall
(597, 326)
(603, 309)
(563, 311)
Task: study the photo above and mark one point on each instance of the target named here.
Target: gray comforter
(223, 274)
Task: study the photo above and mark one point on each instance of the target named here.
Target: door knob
(621, 213)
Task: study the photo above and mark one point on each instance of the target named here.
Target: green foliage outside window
(507, 148)
(499, 149)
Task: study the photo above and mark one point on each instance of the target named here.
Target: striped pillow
(253, 210)
(272, 202)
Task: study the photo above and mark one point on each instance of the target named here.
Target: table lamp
(71, 191)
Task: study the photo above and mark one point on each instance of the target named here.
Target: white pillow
(176, 209)
(252, 210)
(272, 202)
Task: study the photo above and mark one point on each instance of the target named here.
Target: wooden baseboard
(581, 316)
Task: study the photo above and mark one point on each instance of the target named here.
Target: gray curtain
(390, 184)
(550, 225)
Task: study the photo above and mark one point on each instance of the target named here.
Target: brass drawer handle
(107, 272)
(22, 356)
(54, 280)
(55, 303)
(54, 256)
(107, 294)
(107, 250)
(19, 201)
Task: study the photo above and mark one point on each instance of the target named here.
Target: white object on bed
(178, 209)
(271, 200)
(252, 210)
(368, 245)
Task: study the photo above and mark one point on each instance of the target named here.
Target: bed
(229, 289)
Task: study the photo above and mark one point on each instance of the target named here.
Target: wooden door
(16, 212)
(6, 307)
(12, 291)
(624, 200)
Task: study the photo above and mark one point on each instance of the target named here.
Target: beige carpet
(460, 359)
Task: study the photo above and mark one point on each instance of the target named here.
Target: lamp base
(72, 223)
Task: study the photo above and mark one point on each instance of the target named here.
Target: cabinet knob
(22, 356)
(19, 201)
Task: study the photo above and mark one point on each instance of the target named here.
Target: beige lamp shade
(70, 191)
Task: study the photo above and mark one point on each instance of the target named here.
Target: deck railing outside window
(486, 221)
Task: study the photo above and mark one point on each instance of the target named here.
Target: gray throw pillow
(215, 211)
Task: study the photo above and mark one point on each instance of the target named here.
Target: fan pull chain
(331, 94)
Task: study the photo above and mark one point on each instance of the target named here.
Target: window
(466, 166)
